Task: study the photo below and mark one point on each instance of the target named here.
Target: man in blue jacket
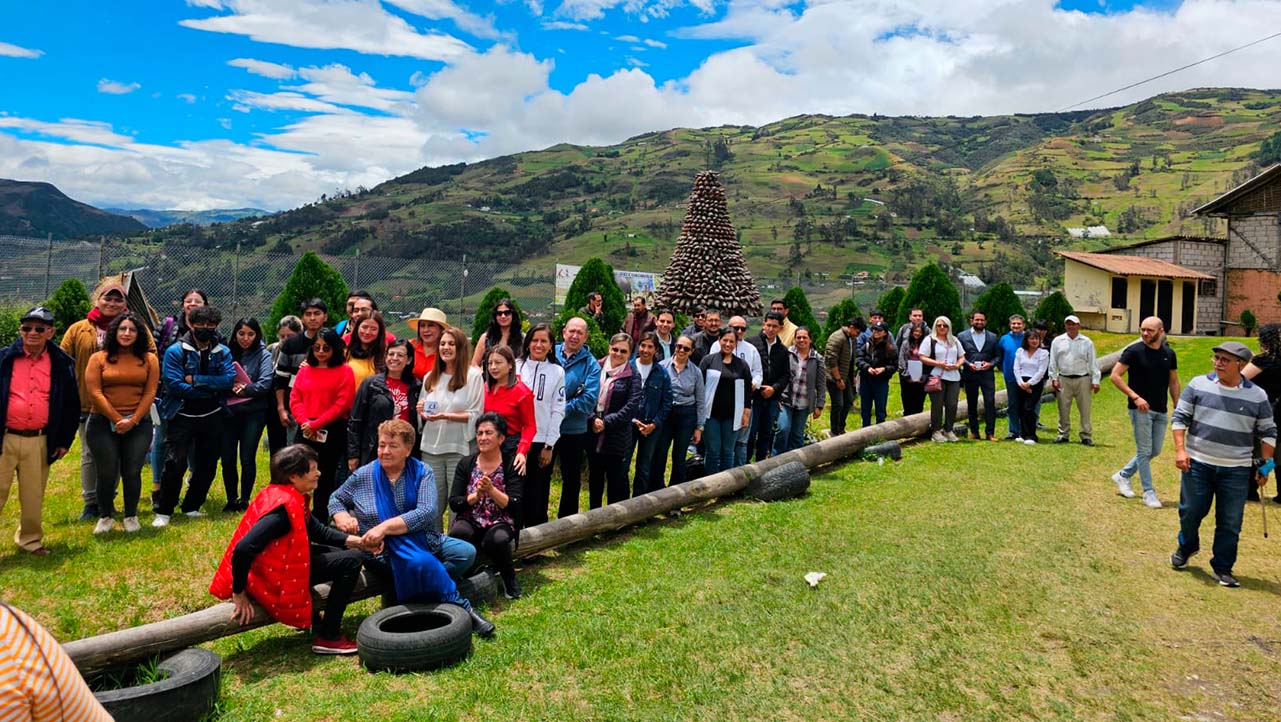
(40, 405)
(582, 387)
(1010, 343)
(197, 373)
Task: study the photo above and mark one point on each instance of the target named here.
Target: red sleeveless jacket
(279, 578)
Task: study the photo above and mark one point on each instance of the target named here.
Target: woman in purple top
(486, 497)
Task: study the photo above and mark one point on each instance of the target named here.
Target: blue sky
(215, 103)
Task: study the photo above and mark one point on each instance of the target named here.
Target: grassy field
(970, 581)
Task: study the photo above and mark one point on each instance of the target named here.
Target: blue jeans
(791, 429)
(456, 555)
(1149, 435)
(1011, 406)
(644, 447)
(1226, 487)
(764, 416)
(675, 434)
(874, 392)
(240, 437)
(719, 438)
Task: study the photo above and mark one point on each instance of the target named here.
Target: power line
(1171, 72)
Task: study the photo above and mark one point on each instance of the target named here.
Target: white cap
(1071, 319)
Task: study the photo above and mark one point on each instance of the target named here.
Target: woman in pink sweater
(321, 402)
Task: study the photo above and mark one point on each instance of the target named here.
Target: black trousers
(984, 383)
(277, 435)
(842, 401)
(202, 438)
(340, 568)
(1027, 401)
(538, 487)
(606, 470)
(913, 395)
(570, 450)
(495, 541)
(332, 453)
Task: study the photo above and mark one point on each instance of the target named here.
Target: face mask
(203, 335)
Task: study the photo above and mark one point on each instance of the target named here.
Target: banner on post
(633, 283)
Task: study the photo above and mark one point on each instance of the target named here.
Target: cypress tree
(1053, 309)
(799, 310)
(847, 308)
(998, 303)
(890, 304)
(707, 267)
(69, 303)
(932, 292)
(311, 278)
(598, 276)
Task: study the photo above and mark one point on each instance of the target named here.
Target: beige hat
(113, 286)
(431, 315)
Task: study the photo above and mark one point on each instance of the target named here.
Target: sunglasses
(34, 329)
(620, 350)
(321, 348)
(739, 329)
(502, 313)
(683, 347)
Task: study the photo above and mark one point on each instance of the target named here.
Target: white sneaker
(197, 514)
(160, 520)
(132, 525)
(939, 437)
(1124, 489)
(1150, 500)
(104, 525)
(951, 436)
(1030, 442)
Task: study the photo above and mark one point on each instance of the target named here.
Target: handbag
(935, 381)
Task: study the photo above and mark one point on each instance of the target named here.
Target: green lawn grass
(970, 581)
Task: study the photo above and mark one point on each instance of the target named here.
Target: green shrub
(998, 303)
(595, 275)
(1053, 309)
(799, 310)
(1249, 322)
(485, 311)
(847, 308)
(69, 303)
(9, 316)
(932, 291)
(311, 278)
(890, 304)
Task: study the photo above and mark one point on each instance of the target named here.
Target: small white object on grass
(815, 577)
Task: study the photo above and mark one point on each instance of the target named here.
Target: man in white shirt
(1074, 372)
(746, 351)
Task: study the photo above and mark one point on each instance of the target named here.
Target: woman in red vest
(280, 550)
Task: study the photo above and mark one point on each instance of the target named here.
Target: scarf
(608, 375)
(417, 573)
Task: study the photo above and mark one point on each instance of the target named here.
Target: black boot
(511, 588)
(481, 626)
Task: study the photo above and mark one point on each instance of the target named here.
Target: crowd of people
(409, 456)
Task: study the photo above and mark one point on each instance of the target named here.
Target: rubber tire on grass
(783, 482)
(891, 450)
(433, 636)
(481, 589)
(187, 694)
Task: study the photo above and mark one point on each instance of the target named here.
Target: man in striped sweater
(1218, 419)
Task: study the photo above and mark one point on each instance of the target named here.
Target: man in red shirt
(40, 405)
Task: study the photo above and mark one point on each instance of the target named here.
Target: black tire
(414, 637)
(783, 482)
(891, 450)
(481, 589)
(188, 692)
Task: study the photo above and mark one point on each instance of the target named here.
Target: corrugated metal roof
(1133, 265)
(1218, 206)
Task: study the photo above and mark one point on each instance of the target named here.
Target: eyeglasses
(739, 329)
(34, 329)
(502, 313)
(619, 350)
(683, 347)
(1224, 360)
(320, 348)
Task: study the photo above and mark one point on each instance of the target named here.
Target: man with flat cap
(41, 410)
(1219, 417)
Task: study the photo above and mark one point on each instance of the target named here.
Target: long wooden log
(136, 643)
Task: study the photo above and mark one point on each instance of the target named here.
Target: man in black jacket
(978, 375)
(775, 375)
(40, 405)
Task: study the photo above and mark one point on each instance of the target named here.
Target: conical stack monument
(707, 267)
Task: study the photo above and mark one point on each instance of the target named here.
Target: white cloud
(360, 25)
(72, 129)
(246, 100)
(468, 22)
(264, 68)
(627, 39)
(562, 25)
(337, 84)
(187, 98)
(115, 87)
(655, 43)
(642, 9)
(9, 50)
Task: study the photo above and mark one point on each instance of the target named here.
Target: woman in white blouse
(942, 354)
(453, 397)
(539, 370)
(1031, 362)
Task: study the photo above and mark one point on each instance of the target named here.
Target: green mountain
(814, 194)
(38, 209)
(159, 219)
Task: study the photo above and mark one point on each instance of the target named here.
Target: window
(1209, 288)
(1120, 291)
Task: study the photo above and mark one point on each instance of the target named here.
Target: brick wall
(1264, 241)
(1252, 289)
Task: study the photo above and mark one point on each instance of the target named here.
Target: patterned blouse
(486, 511)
